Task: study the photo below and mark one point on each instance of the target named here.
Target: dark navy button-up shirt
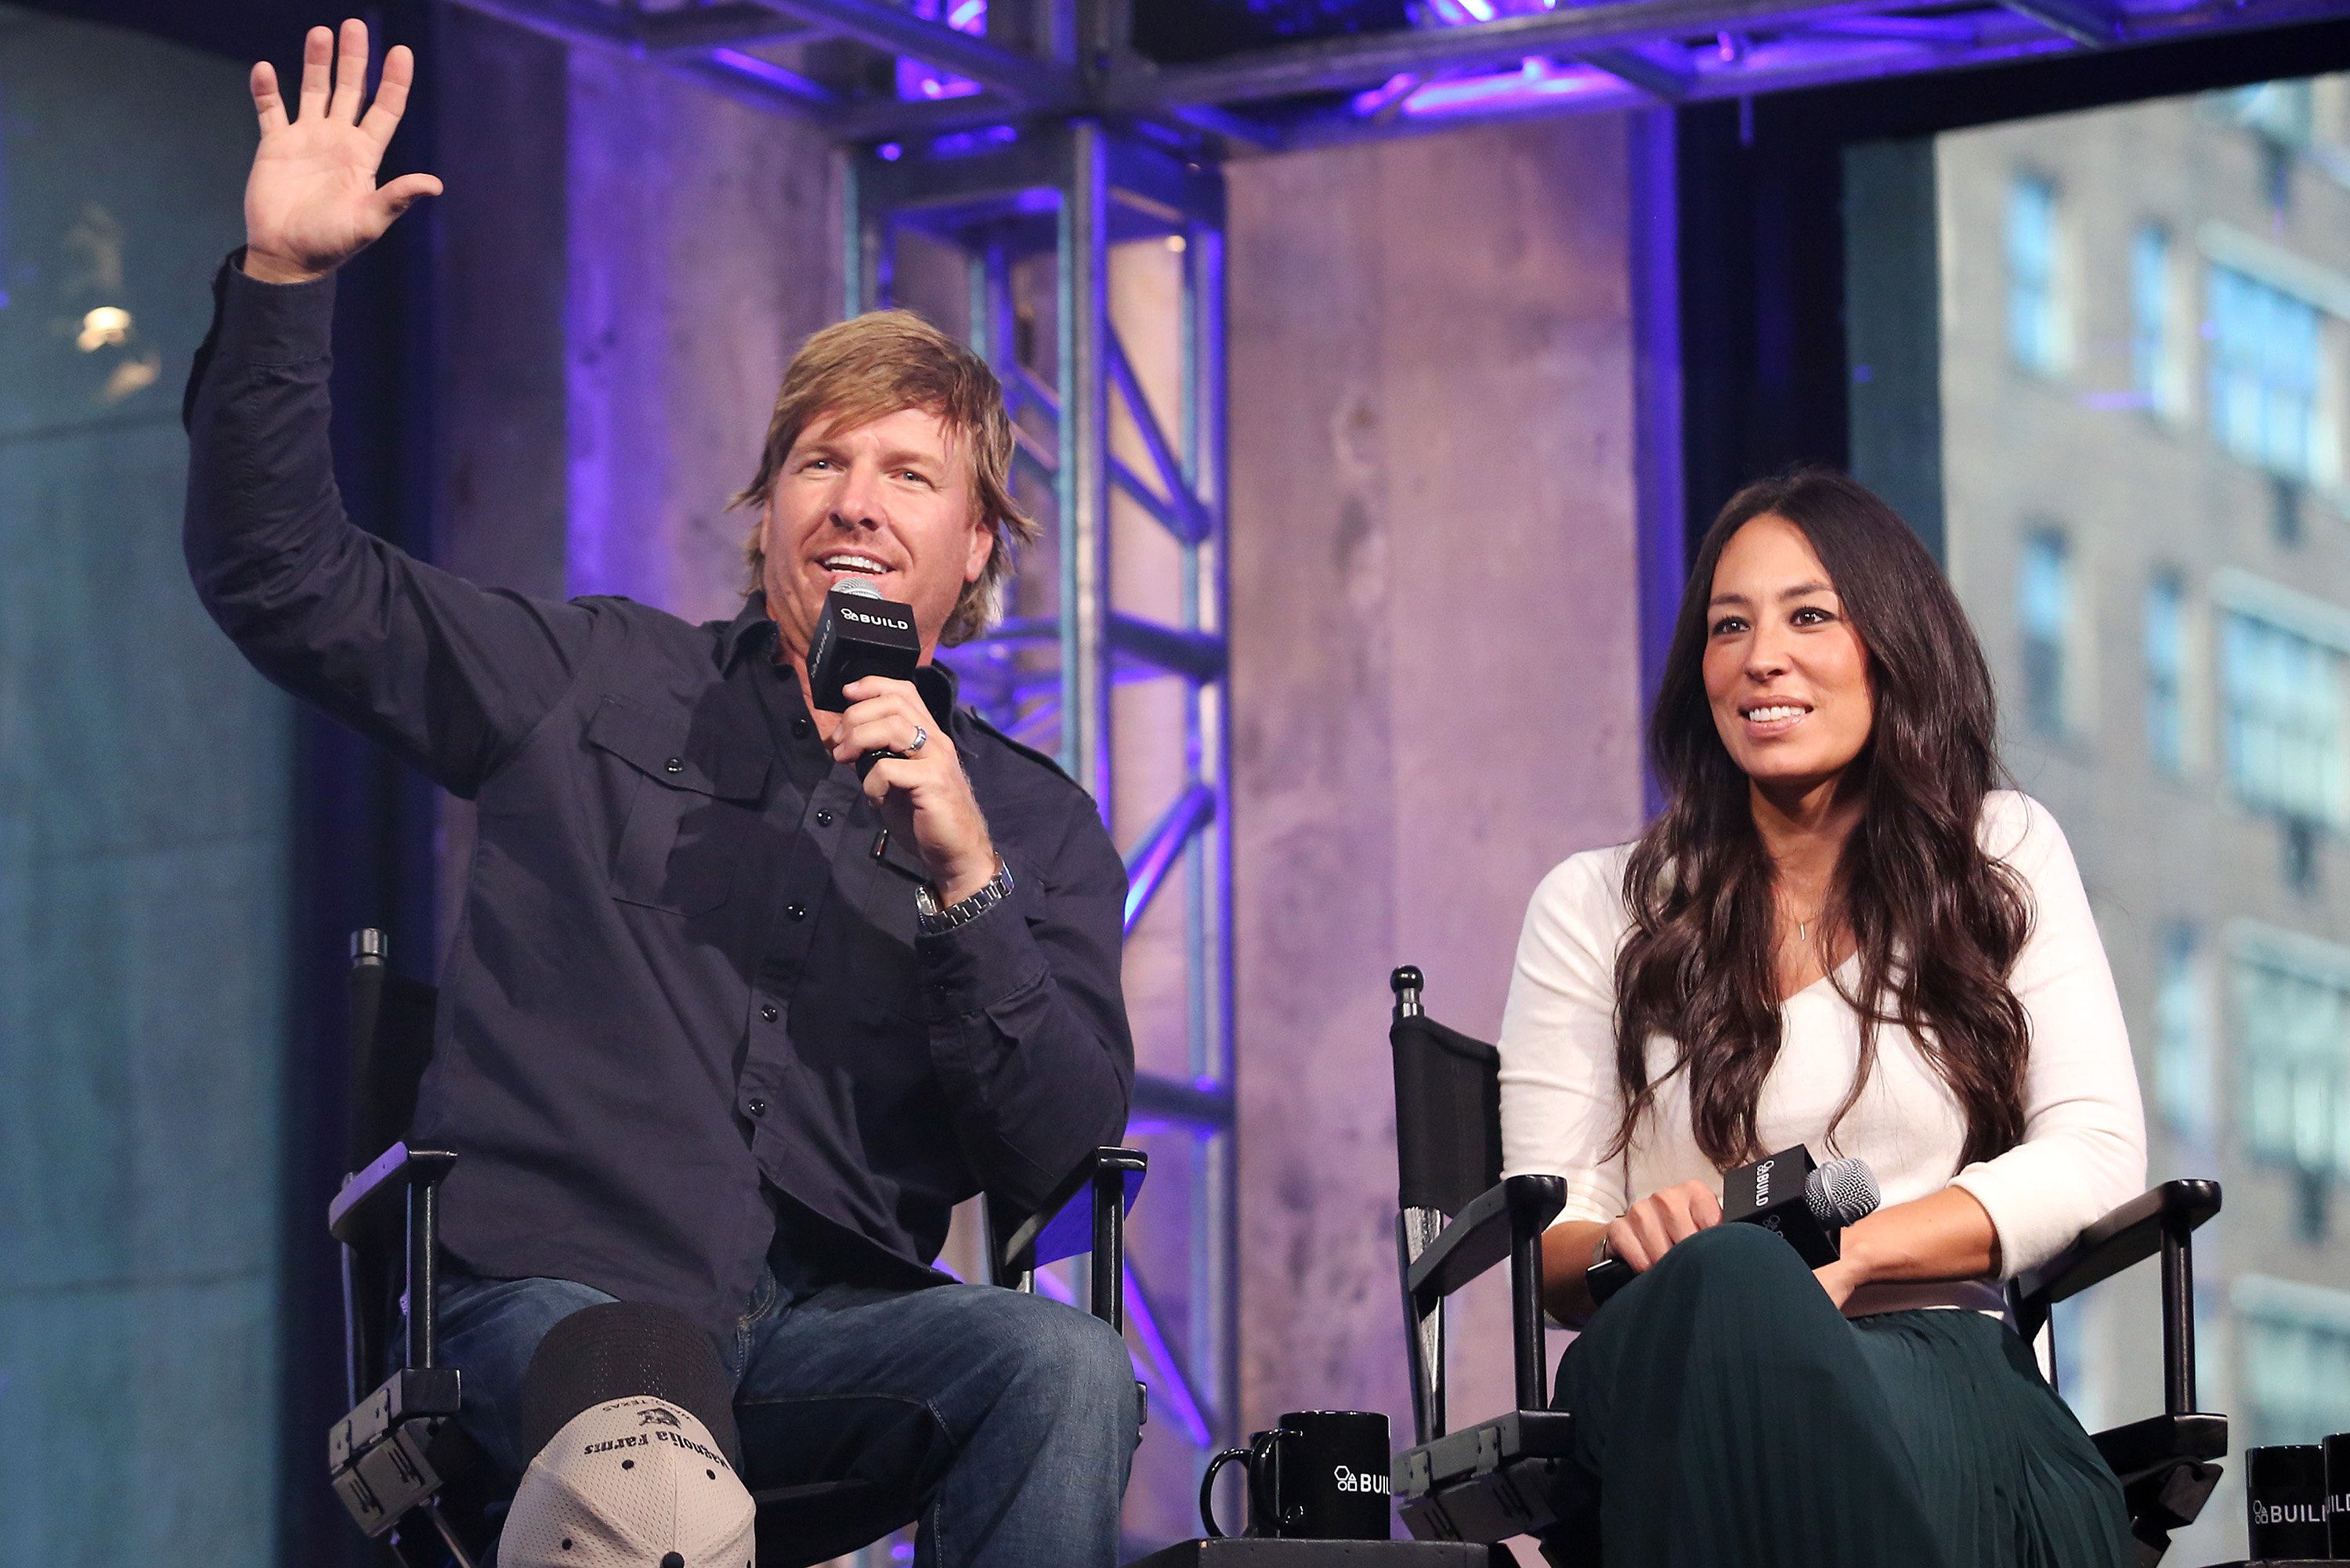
(684, 1002)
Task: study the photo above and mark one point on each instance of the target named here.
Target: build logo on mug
(1318, 1475)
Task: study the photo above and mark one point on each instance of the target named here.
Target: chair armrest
(1482, 1449)
(399, 1192)
(364, 1201)
(1065, 1224)
(2129, 1235)
(1481, 1235)
(2144, 1447)
(1086, 1213)
(409, 1393)
(2169, 1467)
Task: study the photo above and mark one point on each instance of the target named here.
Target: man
(699, 1046)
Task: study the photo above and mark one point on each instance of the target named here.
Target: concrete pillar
(504, 272)
(628, 264)
(704, 248)
(1436, 689)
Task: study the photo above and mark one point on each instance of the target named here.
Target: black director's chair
(1456, 1219)
(1504, 1476)
(404, 1468)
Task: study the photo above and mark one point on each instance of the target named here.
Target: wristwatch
(934, 920)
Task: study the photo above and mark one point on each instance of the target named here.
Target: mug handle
(1208, 1488)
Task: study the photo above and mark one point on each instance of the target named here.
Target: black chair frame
(2167, 1464)
(1458, 1217)
(403, 1467)
(1456, 1220)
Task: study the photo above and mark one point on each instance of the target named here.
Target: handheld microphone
(859, 634)
(1810, 1213)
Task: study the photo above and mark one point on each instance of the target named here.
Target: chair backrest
(390, 1040)
(1448, 1097)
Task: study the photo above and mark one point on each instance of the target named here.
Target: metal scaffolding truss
(874, 70)
(1023, 227)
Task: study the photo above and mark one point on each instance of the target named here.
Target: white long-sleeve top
(2084, 1148)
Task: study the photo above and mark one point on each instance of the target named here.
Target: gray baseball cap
(635, 1434)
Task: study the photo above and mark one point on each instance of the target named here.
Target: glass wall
(2143, 385)
(143, 841)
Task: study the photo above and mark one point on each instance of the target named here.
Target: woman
(1838, 934)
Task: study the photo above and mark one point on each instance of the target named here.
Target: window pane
(2156, 372)
(2285, 721)
(2296, 1357)
(2034, 327)
(2265, 369)
(2183, 1068)
(2044, 611)
(2166, 724)
(2282, 113)
(2292, 998)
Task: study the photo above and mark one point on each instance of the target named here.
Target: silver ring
(921, 738)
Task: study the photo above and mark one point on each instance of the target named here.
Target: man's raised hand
(311, 203)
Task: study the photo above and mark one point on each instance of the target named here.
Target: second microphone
(1807, 1204)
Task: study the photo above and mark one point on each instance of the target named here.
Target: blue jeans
(1004, 1422)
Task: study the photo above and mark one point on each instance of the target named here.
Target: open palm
(311, 203)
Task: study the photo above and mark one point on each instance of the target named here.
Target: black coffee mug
(2337, 1493)
(2284, 1500)
(1319, 1475)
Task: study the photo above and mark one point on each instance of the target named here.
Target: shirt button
(768, 1012)
(796, 912)
(823, 819)
(800, 728)
(758, 1107)
(675, 764)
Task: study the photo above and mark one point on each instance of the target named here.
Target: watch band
(934, 920)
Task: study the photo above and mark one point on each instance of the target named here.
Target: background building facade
(2145, 330)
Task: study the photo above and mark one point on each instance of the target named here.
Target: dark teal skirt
(1728, 1417)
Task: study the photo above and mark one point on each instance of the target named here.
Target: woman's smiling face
(1785, 674)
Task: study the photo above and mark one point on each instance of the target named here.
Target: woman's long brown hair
(1935, 921)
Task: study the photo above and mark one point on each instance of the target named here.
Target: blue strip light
(1148, 862)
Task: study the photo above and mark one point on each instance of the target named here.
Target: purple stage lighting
(918, 82)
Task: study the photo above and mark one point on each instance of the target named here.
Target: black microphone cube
(1770, 1193)
(859, 635)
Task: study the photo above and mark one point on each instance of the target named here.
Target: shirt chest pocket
(687, 804)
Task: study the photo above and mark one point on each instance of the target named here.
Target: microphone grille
(857, 587)
(1842, 1191)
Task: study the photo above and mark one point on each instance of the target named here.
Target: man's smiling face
(890, 502)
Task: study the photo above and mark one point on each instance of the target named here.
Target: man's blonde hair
(882, 363)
